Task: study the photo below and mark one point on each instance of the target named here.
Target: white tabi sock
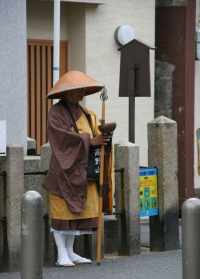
(63, 258)
(70, 249)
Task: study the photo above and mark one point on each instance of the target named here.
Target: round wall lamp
(124, 34)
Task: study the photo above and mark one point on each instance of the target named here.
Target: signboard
(2, 138)
(198, 149)
(148, 192)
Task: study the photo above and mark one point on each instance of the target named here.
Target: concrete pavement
(166, 265)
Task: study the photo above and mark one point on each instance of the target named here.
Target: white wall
(103, 61)
(40, 20)
(13, 90)
(76, 35)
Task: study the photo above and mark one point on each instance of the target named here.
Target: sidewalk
(166, 265)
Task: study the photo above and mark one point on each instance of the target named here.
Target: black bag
(93, 168)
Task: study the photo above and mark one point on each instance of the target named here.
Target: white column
(56, 41)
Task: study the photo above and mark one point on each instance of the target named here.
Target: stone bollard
(191, 243)
(127, 158)
(50, 251)
(32, 236)
(162, 151)
(14, 191)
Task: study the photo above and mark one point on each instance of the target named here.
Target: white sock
(70, 249)
(63, 257)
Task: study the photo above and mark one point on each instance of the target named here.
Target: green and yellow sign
(148, 192)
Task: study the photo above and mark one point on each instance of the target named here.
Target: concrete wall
(13, 81)
(76, 36)
(40, 20)
(103, 61)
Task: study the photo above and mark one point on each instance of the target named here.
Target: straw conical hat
(72, 82)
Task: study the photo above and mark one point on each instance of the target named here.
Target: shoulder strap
(74, 121)
(89, 121)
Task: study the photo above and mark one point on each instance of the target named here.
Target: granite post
(14, 192)
(162, 152)
(127, 159)
(49, 251)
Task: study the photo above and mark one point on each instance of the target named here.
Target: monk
(72, 131)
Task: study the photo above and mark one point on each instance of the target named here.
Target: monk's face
(75, 98)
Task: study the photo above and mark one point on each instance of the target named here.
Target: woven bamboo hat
(73, 82)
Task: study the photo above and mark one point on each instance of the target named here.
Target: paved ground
(165, 265)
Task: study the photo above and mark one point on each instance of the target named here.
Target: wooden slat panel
(49, 74)
(44, 90)
(63, 58)
(40, 53)
(38, 96)
(32, 92)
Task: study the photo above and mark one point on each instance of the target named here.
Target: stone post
(127, 158)
(163, 88)
(49, 250)
(14, 192)
(162, 151)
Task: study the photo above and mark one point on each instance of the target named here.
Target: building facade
(87, 44)
(89, 31)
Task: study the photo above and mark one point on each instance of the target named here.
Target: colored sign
(148, 192)
(2, 137)
(198, 149)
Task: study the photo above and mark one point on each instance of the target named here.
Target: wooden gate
(40, 80)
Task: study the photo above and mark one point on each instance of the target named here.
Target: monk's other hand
(100, 140)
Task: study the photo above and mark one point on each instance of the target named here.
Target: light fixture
(124, 34)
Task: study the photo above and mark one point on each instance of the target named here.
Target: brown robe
(67, 176)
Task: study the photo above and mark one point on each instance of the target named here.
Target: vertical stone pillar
(49, 250)
(14, 192)
(163, 88)
(162, 151)
(127, 157)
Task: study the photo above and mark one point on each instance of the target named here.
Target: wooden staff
(101, 183)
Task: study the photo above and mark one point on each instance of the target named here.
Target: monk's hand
(100, 140)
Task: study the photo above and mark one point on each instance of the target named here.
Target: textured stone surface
(34, 181)
(127, 157)
(14, 192)
(31, 146)
(163, 89)
(45, 157)
(162, 139)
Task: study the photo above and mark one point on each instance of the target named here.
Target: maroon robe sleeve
(67, 174)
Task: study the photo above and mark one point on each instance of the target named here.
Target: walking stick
(103, 97)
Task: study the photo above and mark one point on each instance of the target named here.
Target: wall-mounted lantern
(134, 76)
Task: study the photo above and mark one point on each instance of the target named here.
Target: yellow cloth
(58, 206)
